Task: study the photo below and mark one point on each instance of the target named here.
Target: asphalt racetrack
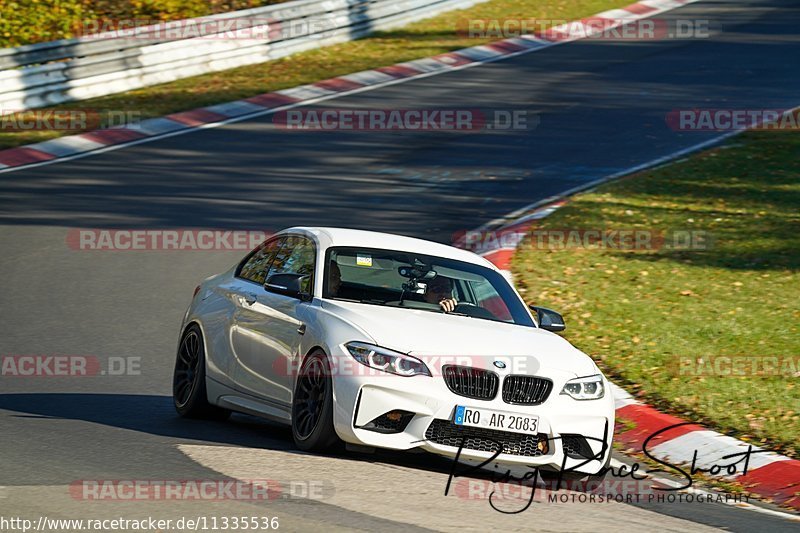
(600, 108)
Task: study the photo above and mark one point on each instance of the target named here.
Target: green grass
(436, 35)
(637, 311)
(34, 21)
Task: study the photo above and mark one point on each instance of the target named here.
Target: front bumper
(430, 408)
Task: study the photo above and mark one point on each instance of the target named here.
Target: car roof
(356, 238)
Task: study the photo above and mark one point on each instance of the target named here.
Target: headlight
(387, 360)
(588, 388)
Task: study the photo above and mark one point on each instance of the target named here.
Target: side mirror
(288, 285)
(548, 319)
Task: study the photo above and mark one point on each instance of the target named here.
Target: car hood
(426, 334)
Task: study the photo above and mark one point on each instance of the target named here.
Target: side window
(255, 267)
(296, 256)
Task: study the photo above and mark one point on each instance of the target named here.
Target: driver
(440, 291)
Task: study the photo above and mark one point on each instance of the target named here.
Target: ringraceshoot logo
(507, 496)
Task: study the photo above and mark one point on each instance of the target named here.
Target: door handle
(250, 298)
(302, 329)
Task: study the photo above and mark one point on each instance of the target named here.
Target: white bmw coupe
(386, 341)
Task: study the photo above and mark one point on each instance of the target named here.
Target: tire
(312, 406)
(189, 379)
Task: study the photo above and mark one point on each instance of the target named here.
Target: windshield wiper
(364, 301)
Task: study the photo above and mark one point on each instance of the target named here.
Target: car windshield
(415, 281)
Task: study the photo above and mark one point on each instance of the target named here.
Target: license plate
(499, 420)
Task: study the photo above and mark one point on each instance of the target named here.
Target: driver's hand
(448, 305)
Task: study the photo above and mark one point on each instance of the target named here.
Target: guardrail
(115, 61)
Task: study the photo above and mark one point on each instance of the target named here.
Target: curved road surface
(601, 109)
